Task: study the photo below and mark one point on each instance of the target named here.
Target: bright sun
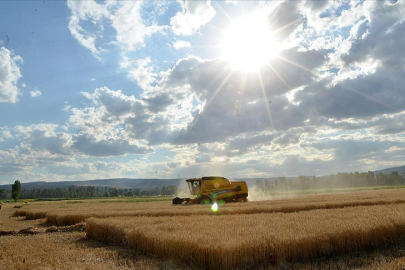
(249, 44)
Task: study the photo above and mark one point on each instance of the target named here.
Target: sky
(179, 89)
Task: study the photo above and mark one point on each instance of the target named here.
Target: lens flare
(214, 207)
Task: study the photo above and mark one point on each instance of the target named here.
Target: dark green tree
(16, 190)
(3, 193)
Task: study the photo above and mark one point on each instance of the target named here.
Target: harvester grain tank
(210, 189)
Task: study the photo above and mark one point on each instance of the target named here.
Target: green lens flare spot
(214, 207)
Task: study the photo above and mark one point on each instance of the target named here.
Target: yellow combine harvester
(212, 189)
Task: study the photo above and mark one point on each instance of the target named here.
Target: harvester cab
(211, 189)
(195, 186)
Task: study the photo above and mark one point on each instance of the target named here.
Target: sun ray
(279, 76)
(341, 84)
(219, 88)
(286, 25)
(376, 100)
(224, 12)
(265, 100)
(207, 104)
(296, 64)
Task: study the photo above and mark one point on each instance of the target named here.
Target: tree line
(339, 180)
(81, 192)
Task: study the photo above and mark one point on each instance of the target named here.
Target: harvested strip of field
(80, 227)
(229, 241)
(29, 230)
(66, 213)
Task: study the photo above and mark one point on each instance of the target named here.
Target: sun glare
(249, 44)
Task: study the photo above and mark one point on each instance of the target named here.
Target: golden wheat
(228, 241)
(65, 213)
(218, 240)
(64, 250)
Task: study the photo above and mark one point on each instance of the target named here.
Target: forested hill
(119, 183)
(147, 184)
(400, 170)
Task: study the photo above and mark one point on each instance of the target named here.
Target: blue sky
(95, 89)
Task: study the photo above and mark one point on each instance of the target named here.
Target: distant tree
(114, 192)
(282, 182)
(16, 190)
(3, 193)
(303, 182)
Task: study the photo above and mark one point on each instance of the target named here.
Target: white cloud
(194, 14)
(331, 101)
(69, 169)
(143, 73)
(100, 128)
(124, 17)
(109, 147)
(85, 38)
(7, 134)
(9, 75)
(180, 44)
(87, 11)
(130, 27)
(35, 93)
(45, 137)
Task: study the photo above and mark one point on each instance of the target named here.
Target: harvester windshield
(194, 186)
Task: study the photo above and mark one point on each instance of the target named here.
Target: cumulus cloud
(142, 73)
(45, 137)
(9, 75)
(6, 134)
(156, 117)
(86, 11)
(85, 38)
(182, 108)
(106, 148)
(35, 93)
(124, 17)
(67, 170)
(107, 167)
(102, 132)
(368, 81)
(33, 151)
(233, 98)
(180, 44)
(194, 14)
(329, 101)
(227, 115)
(285, 18)
(131, 28)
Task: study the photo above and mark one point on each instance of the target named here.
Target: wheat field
(304, 232)
(230, 241)
(65, 213)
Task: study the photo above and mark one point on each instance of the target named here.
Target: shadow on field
(386, 257)
(390, 256)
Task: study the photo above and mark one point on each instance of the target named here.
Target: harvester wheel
(205, 200)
